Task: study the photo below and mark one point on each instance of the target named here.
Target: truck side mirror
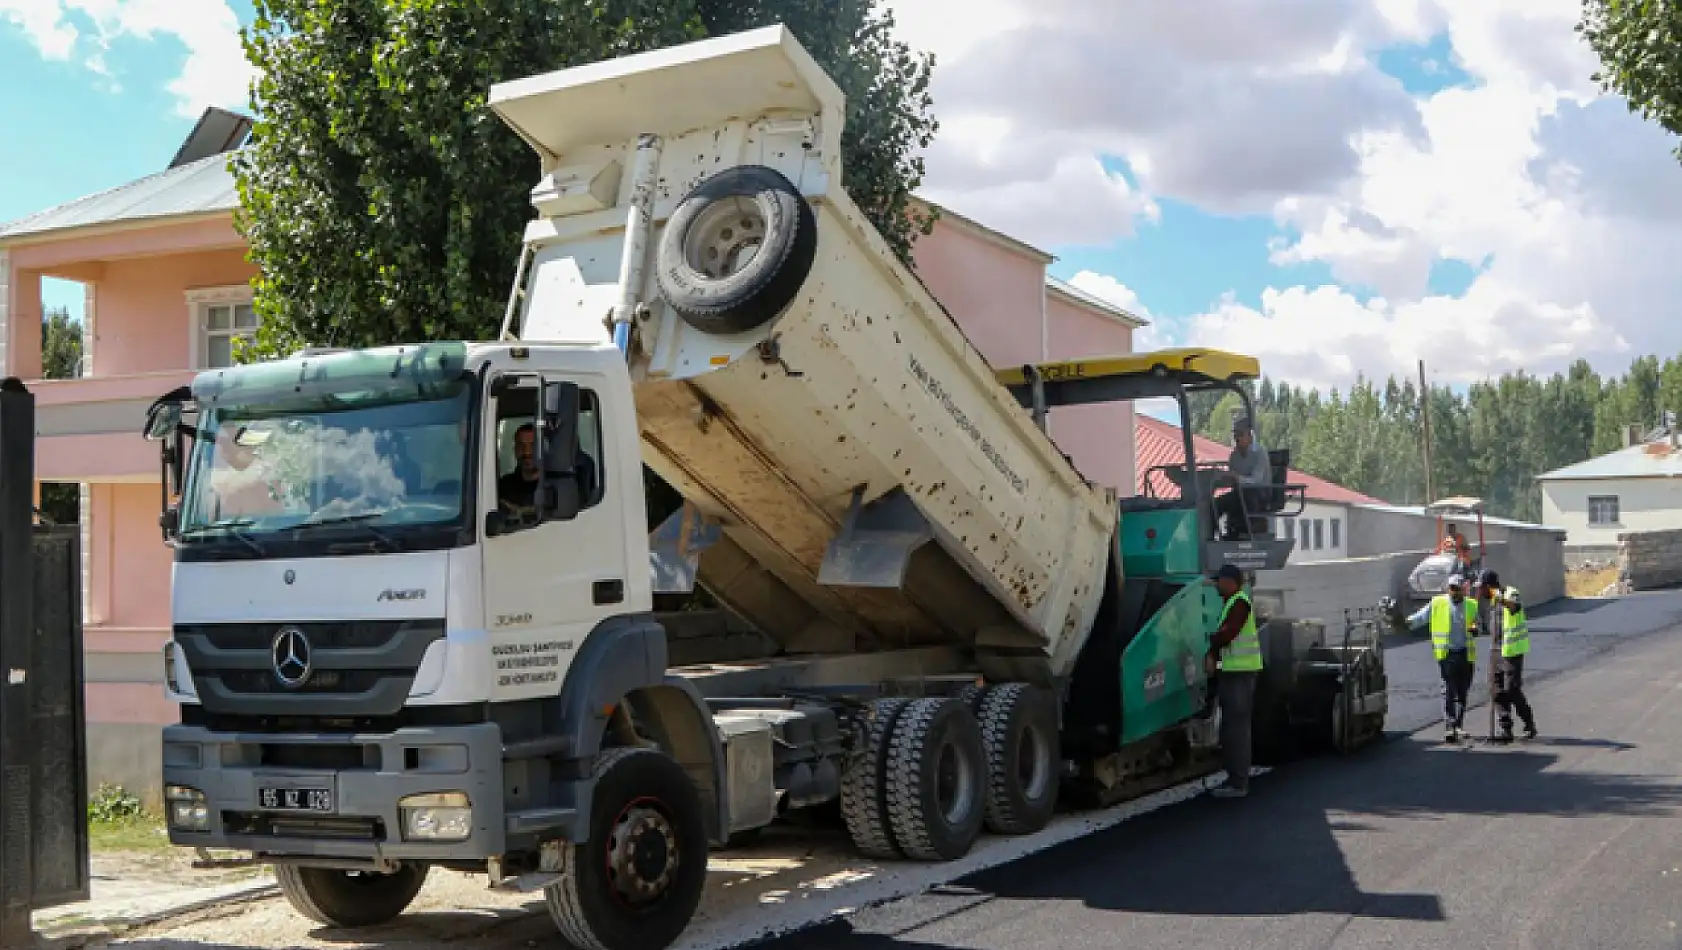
(559, 487)
(164, 426)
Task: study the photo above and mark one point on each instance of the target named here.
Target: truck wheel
(864, 786)
(635, 883)
(737, 249)
(937, 780)
(350, 899)
(971, 695)
(1019, 731)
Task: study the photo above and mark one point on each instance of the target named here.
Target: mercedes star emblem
(290, 653)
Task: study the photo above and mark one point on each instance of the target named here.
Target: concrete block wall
(1650, 559)
(1584, 555)
(1322, 590)
(1532, 560)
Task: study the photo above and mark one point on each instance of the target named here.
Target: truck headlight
(436, 816)
(188, 809)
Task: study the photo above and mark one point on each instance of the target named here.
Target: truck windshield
(307, 456)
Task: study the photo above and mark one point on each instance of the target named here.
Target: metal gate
(43, 746)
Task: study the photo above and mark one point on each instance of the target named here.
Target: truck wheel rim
(642, 854)
(954, 783)
(725, 238)
(1033, 764)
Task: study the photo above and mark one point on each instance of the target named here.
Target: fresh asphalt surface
(1570, 841)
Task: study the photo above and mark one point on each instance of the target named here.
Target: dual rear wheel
(929, 774)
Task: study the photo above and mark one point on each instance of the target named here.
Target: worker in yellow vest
(1235, 651)
(1510, 641)
(1454, 623)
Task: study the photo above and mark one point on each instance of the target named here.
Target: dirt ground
(1590, 582)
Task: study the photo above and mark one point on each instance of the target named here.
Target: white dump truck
(413, 587)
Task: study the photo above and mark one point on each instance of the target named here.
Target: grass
(1584, 583)
(137, 833)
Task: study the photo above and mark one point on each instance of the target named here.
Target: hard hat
(1455, 580)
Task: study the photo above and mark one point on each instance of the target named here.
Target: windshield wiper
(360, 518)
(230, 527)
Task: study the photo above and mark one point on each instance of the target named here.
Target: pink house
(167, 289)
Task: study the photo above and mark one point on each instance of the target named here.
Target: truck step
(537, 820)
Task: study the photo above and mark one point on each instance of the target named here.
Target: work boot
(1504, 737)
(1452, 733)
(1530, 730)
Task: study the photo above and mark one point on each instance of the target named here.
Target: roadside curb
(64, 928)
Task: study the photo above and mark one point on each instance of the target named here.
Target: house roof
(1648, 460)
(1082, 298)
(1489, 520)
(1159, 443)
(200, 187)
(986, 233)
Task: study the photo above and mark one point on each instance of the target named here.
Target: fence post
(43, 746)
(17, 624)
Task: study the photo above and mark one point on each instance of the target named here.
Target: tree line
(1490, 441)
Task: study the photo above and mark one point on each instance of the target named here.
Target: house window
(1319, 535)
(1603, 509)
(1337, 531)
(217, 317)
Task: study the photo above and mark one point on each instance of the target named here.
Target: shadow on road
(1281, 852)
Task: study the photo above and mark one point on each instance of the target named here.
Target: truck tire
(936, 780)
(737, 250)
(864, 806)
(971, 695)
(350, 899)
(1019, 731)
(636, 882)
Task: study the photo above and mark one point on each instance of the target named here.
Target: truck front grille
(338, 828)
(338, 669)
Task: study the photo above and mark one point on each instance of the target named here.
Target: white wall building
(1638, 488)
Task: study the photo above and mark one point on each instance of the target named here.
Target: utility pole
(1425, 432)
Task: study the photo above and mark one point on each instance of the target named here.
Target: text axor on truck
(397, 646)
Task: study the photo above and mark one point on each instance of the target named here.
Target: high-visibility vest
(1244, 653)
(1515, 627)
(1442, 621)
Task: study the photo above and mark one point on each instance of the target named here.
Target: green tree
(1639, 43)
(383, 201)
(61, 352)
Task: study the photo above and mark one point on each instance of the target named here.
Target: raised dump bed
(874, 487)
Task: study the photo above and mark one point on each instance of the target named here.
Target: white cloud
(1567, 207)
(1105, 287)
(42, 24)
(1232, 104)
(213, 72)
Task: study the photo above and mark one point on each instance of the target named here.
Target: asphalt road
(1571, 841)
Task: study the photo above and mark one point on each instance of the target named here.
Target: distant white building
(1636, 488)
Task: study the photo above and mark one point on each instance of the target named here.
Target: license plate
(319, 800)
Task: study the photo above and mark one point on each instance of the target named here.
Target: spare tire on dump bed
(737, 250)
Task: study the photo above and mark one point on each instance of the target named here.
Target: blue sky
(1410, 246)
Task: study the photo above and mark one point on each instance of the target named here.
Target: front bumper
(366, 775)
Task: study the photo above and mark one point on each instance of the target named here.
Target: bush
(113, 804)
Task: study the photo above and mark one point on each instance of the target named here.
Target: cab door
(548, 585)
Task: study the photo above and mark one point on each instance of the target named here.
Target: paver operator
(1454, 623)
(1510, 630)
(1235, 661)
(1249, 464)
